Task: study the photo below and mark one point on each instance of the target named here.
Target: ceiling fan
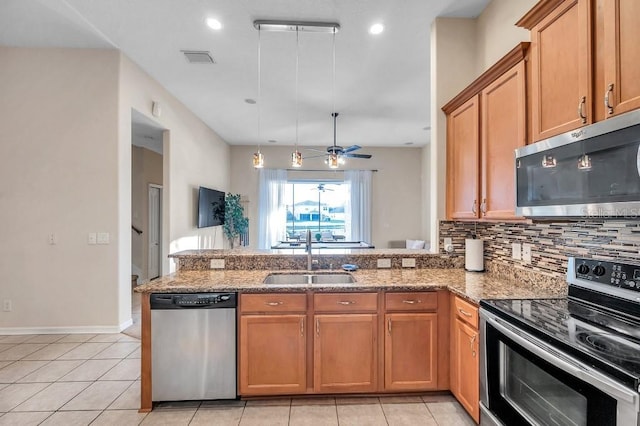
(336, 153)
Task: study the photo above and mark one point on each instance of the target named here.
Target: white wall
(65, 147)
(461, 50)
(58, 175)
(397, 186)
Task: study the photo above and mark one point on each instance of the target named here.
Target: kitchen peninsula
(419, 302)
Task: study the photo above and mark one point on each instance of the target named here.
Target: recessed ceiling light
(272, 141)
(426, 128)
(376, 28)
(250, 101)
(214, 24)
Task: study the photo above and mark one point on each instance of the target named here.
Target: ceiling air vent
(198, 57)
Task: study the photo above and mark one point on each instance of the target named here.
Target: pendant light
(258, 158)
(296, 156)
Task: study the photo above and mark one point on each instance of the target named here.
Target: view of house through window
(318, 206)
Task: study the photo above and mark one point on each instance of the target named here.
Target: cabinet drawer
(466, 312)
(276, 302)
(343, 302)
(411, 301)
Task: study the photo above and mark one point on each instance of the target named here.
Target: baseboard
(128, 323)
(106, 329)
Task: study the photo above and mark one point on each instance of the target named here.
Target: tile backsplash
(551, 242)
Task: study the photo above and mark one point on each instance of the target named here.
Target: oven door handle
(556, 358)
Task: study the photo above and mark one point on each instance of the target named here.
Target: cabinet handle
(473, 340)
(607, 105)
(273, 303)
(317, 327)
(302, 326)
(389, 326)
(474, 208)
(412, 302)
(465, 313)
(583, 101)
(346, 302)
(483, 207)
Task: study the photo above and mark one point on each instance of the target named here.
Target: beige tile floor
(82, 379)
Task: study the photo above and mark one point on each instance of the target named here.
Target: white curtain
(271, 208)
(359, 205)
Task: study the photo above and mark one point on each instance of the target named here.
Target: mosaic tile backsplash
(551, 242)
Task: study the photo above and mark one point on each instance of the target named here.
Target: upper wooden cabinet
(584, 62)
(621, 52)
(561, 77)
(486, 122)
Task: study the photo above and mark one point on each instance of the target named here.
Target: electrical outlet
(384, 263)
(91, 238)
(526, 253)
(7, 306)
(103, 238)
(516, 251)
(53, 239)
(408, 262)
(217, 263)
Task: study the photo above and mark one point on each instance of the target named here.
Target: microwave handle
(638, 161)
(559, 360)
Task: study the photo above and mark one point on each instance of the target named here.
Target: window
(319, 206)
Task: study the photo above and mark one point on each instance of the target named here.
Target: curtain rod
(331, 171)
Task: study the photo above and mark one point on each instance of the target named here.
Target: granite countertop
(470, 285)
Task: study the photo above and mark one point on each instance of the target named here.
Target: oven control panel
(621, 275)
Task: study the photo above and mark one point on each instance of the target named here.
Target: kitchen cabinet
(465, 365)
(621, 52)
(486, 122)
(561, 75)
(272, 344)
(411, 341)
(345, 356)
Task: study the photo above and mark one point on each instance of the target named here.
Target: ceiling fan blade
(357, 155)
(313, 156)
(351, 148)
(313, 149)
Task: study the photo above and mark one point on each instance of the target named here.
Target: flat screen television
(210, 207)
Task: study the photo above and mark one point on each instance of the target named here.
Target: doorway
(154, 241)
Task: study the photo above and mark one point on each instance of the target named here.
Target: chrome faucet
(308, 250)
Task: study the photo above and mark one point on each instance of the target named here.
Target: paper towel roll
(473, 255)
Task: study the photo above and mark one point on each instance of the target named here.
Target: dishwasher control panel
(193, 300)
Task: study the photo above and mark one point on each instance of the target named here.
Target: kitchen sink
(307, 278)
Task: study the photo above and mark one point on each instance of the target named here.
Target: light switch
(103, 238)
(516, 251)
(526, 253)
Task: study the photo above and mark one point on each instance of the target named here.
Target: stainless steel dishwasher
(193, 344)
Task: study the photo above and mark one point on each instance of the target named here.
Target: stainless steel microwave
(593, 171)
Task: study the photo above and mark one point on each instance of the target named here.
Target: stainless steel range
(569, 361)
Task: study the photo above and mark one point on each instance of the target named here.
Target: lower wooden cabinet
(345, 353)
(465, 354)
(273, 354)
(410, 358)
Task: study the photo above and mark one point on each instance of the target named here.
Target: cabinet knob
(465, 313)
(483, 207)
(346, 302)
(273, 303)
(607, 105)
(411, 301)
(474, 208)
(389, 326)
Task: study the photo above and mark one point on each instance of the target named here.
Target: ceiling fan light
(332, 160)
(296, 159)
(341, 160)
(258, 160)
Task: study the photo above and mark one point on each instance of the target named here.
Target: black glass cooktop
(607, 341)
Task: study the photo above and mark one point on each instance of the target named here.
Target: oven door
(524, 381)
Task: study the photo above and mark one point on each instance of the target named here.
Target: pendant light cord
(333, 83)
(297, 67)
(259, 86)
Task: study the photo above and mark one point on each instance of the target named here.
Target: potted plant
(235, 223)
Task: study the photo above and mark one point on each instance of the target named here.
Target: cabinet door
(465, 373)
(272, 354)
(561, 70)
(345, 353)
(410, 359)
(463, 162)
(622, 56)
(503, 130)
